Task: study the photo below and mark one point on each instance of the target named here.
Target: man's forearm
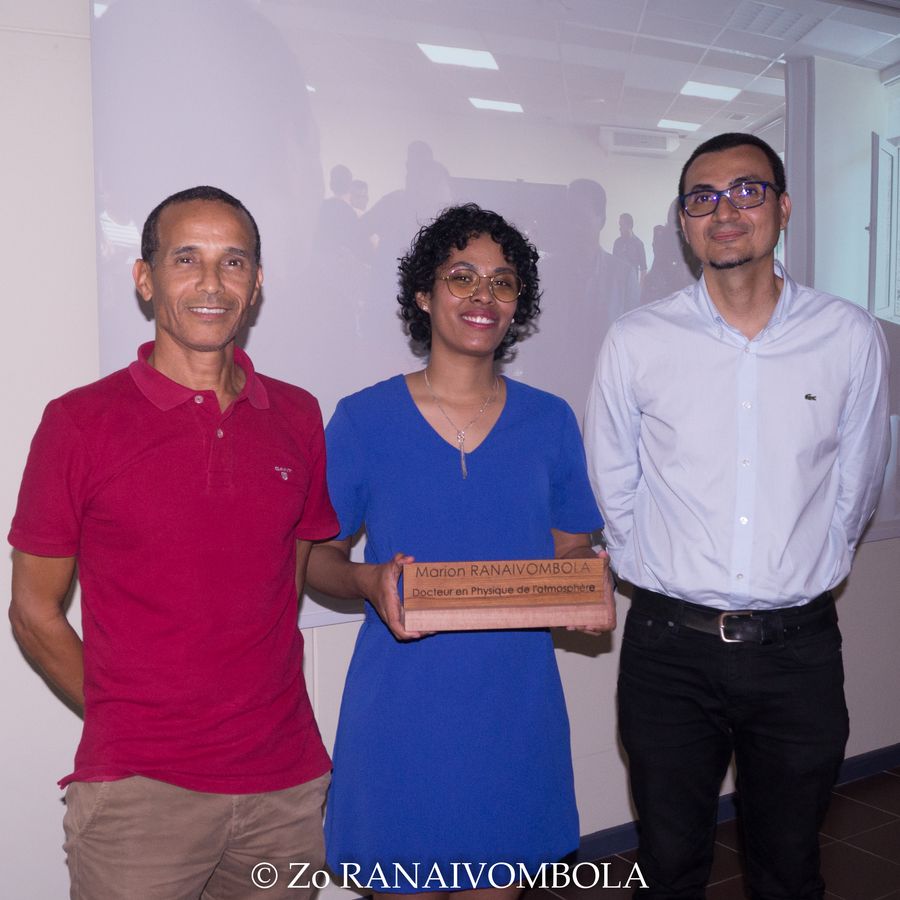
(55, 648)
(332, 572)
(40, 585)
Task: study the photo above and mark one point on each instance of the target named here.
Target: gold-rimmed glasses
(464, 283)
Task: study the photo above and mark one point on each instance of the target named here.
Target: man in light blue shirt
(737, 435)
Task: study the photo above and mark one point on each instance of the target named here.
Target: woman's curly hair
(431, 248)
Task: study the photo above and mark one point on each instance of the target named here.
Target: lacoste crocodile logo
(809, 396)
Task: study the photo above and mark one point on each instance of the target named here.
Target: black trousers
(687, 702)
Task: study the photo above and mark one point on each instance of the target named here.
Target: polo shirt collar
(166, 394)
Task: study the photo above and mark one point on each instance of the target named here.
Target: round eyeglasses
(464, 283)
(745, 195)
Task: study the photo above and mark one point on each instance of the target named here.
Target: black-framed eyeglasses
(745, 195)
(463, 283)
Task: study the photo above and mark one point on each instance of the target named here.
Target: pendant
(461, 440)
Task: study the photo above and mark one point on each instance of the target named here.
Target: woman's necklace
(461, 432)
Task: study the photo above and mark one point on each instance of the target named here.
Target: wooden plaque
(507, 593)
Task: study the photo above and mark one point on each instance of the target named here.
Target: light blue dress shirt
(739, 473)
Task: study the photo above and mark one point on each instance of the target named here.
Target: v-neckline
(452, 444)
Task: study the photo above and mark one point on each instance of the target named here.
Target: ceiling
(609, 67)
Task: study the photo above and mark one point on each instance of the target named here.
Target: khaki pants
(139, 838)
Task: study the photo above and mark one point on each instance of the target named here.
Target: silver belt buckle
(721, 620)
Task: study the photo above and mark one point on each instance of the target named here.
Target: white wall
(850, 103)
(870, 619)
(48, 344)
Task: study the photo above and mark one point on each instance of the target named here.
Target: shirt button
(743, 520)
(739, 576)
(747, 349)
(220, 433)
(745, 461)
(198, 398)
(746, 404)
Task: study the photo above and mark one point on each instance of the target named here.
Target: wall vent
(641, 143)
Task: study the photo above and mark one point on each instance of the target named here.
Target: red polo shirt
(184, 521)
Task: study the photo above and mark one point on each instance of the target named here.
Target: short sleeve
(318, 522)
(52, 495)
(346, 471)
(572, 504)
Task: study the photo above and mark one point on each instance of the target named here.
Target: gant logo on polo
(283, 471)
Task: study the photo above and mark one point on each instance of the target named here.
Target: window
(884, 285)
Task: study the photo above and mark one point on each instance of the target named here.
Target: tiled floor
(860, 850)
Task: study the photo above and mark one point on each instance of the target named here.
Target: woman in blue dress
(452, 766)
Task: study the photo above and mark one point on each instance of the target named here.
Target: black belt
(757, 626)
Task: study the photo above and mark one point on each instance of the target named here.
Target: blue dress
(453, 748)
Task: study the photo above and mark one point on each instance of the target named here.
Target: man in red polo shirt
(188, 489)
